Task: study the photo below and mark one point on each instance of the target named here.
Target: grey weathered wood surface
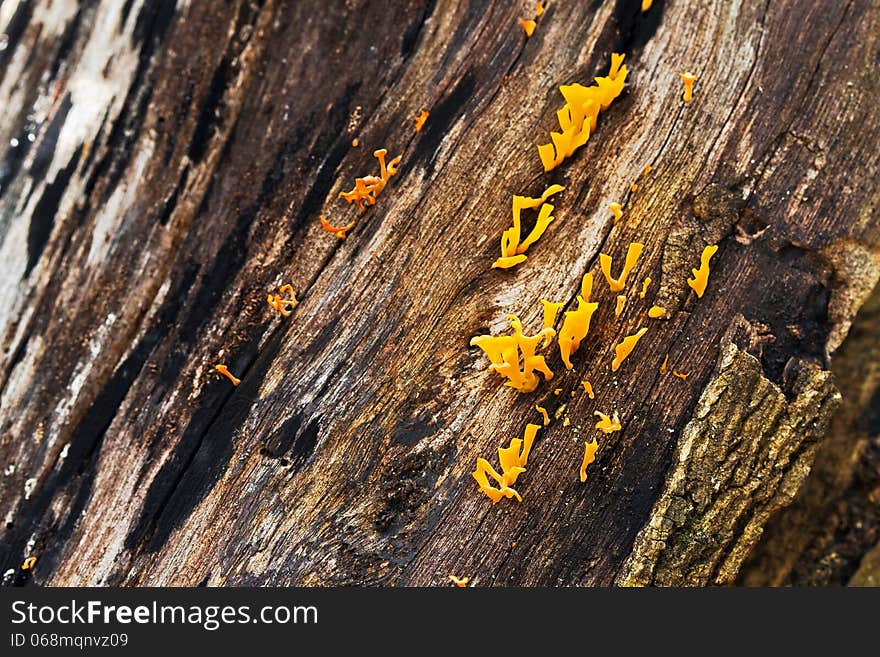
(163, 168)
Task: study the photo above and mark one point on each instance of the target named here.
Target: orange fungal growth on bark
(528, 26)
(575, 327)
(366, 189)
(588, 387)
(543, 412)
(646, 5)
(621, 302)
(512, 249)
(616, 211)
(645, 285)
(701, 275)
(624, 349)
(280, 304)
(656, 312)
(29, 563)
(590, 449)
(459, 581)
(550, 311)
(420, 119)
(578, 117)
(680, 375)
(513, 460)
(688, 79)
(664, 365)
(225, 372)
(514, 357)
(355, 143)
(339, 231)
(607, 424)
(632, 256)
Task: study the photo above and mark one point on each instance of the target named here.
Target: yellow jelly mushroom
(577, 118)
(506, 351)
(528, 25)
(688, 79)
(512, 251)
(623, 350)
(575, 327)
(283, 306)
(459, 581)
(543, 412)
(664, 365)
(607, 424)
(589, 456)
(225, 372)
(646, 5)
(616, 211)
(701, 275)
(656, 312)
(621, 302)
(645, 285)
(680, 375)
(589, 388)
(420, 119)
(29, 563)
(632, 255)
(513, 460)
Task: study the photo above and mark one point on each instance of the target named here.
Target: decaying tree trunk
(163, 167)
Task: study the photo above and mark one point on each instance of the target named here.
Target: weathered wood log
(163, 170)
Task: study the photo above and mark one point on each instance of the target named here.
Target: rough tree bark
(164, 166)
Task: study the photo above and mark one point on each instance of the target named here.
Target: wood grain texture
(181, 155)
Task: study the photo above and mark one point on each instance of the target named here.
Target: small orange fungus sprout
(588, 387)
(513, 460)
(688, 79)
(701, 275)
(656, 312)
(528, 26)
(420, 119)
(280, 304)
(664, 365)
(29, 563)
(680, 375)
(616, 211)
(624, 349)
(543, 412)
(590, 449)
(459, 581)
(621, 302)
(607, 424)
(632, 256)
(646, 5)
(645, 285)
(225, 372)
(339, 231)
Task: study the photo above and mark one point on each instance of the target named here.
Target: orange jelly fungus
(528, 26)
(550, 311)
(576, 324)
(646, 5)
(355, 143)
(589, 456)
(420, 119)
(512, 249)
(543, 412)
(588, 387)
(29, 563)
(513, 460)
(701, 275)
(645, 285)
(688, 79)
(664, 365)
(632, 256)
(225, 372)
(280, 304)
(505, 352)
(607, 424)
(646, 170)
(616, 211)
(366, 189)
(339, 231)
(577, 118)
(680, 375)
(621, 302)
(539, 9)
(623, 350)
(656, 312)
(459, 581)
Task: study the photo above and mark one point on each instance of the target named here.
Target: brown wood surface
(163, 167)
